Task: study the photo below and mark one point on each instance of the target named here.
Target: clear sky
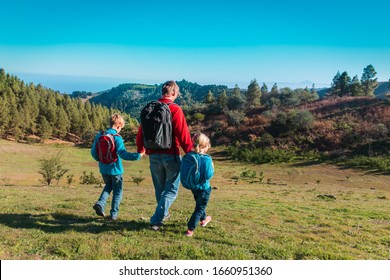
(94, 44)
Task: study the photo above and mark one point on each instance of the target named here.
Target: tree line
(28, 109)
(343, 85)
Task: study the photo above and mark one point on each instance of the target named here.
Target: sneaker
(166, 217)
(98, 210)
(189, 232)
(205, 221)
(113, 218)
(155, 227)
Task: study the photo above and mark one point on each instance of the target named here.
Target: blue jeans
(165, 170)
(113, 184)
(201, 198)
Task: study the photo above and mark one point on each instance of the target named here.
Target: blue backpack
(190, 171)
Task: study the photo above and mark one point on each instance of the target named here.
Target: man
(165, 163)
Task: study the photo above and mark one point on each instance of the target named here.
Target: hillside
(382, 90)
(344, 126)
(132, 97)
(128, 97)
(311, 212)
(292, 121)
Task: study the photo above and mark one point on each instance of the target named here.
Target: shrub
(52, 169)
(199, 117)
(235, 117)
(69, 179)
(138, 179)
(248, 173)
(381, 164)
(89, 179)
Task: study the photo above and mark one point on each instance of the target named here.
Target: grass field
(301, 211)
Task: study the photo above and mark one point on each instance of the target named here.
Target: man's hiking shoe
(189, 232)
(166, 217)
(98, 210)
(155, 227)
(205, 221)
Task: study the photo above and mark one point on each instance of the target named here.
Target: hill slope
(298, 212)
(131, 98)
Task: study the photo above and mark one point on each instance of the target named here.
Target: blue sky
(94, 45)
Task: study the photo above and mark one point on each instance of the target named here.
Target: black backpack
(156, 123)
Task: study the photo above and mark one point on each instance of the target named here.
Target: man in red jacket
(165, 164)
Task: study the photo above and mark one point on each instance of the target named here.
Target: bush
(138, 179)
(380, 164)
(269, 155)
(52, 169)
(89, 179)
(198, 117)
(235, 117)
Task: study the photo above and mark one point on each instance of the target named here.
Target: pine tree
(253, 94)
(236, 91)
(344, 83)
(274, 89)
(4, 115)
(62, 124)
(335, 86)
(264, 89)
(356, 87)
(209, 99)
(235, 101)
(368, 81)
(222, 101)
(44, 127)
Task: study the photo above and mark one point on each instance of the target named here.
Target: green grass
(286, 218)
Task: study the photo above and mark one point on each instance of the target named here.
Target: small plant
(261, 176)
(52, 169)
(318, 181)
(248, 174)
(326, 197)
(138, 179)
(235, 179)
(4, 180)
(89, 179)
(269, 181)
(69, 179)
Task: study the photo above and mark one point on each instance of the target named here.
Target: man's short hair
(169, 87)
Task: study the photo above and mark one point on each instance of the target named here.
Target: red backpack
(105, 148)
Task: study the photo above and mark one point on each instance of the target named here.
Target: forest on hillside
(34, 113)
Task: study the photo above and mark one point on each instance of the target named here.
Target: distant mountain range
(69, 84)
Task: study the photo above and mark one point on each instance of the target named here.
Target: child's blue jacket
(115, 168)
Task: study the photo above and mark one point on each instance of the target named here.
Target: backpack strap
(173, 133)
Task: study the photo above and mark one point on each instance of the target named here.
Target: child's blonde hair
(200, 142)
(116, 119)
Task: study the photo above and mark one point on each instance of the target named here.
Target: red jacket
(180, 132)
